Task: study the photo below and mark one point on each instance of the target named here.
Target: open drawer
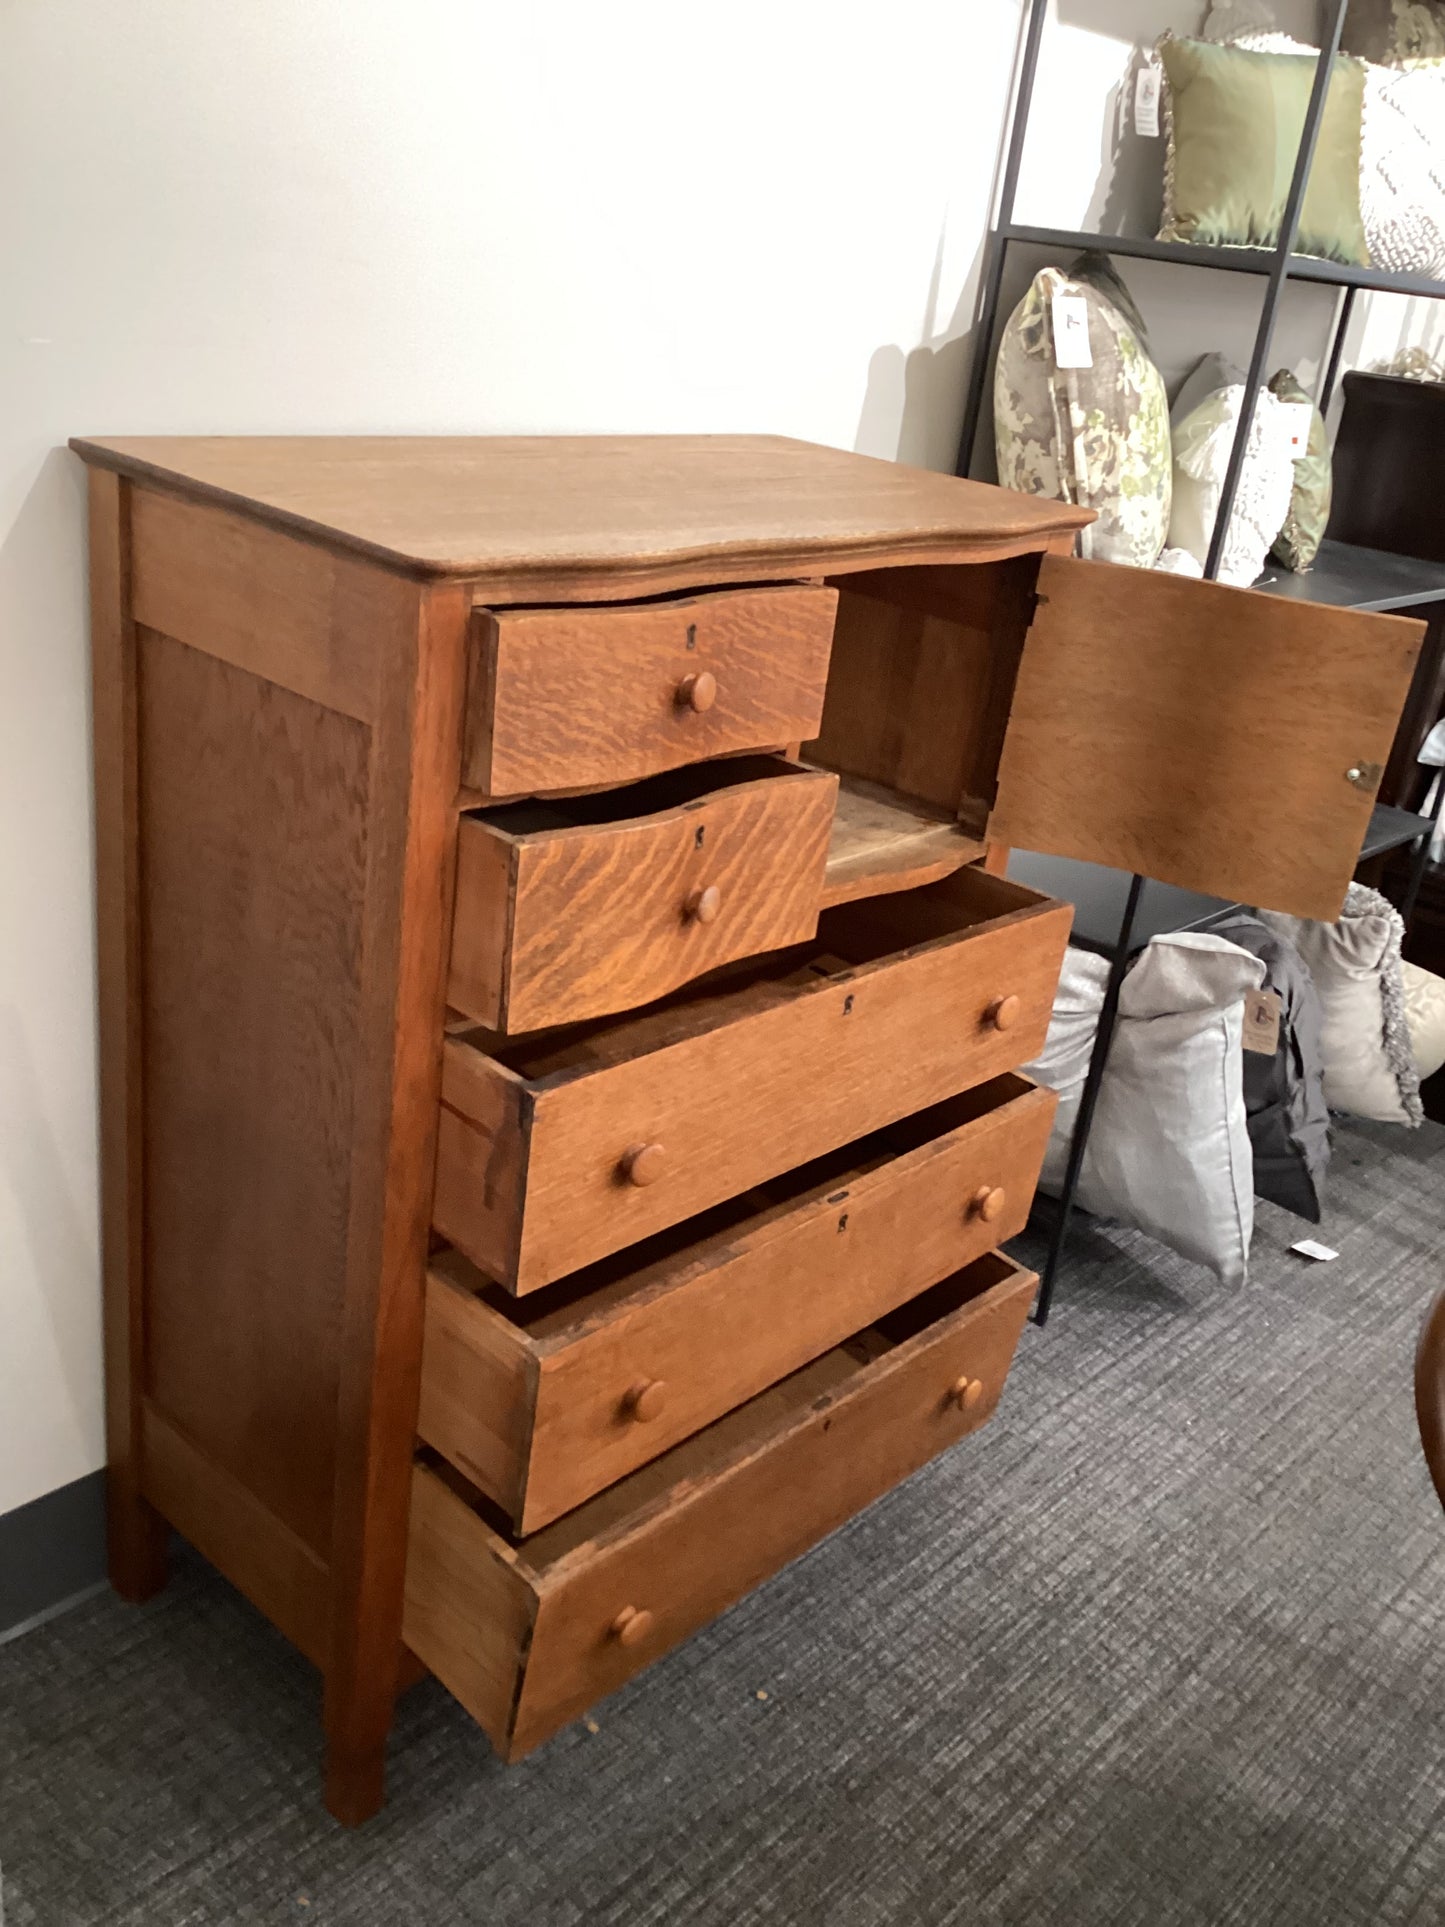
(555, 1150)
(566, 699)
(528, 1634)
(570, 908)
(542, 1401)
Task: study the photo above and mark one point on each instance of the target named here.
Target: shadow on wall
(913, 403)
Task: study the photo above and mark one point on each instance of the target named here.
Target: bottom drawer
(529, 1633)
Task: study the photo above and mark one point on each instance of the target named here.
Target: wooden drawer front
(528, 1635)
(580, 907)
(543, 1401)
(555, 1151)
(567, 699)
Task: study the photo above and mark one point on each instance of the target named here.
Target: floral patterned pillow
(1395, 31)
(1095, 436)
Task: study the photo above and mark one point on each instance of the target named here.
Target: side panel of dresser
(277, 745)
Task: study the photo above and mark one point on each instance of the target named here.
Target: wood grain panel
(135, 1533)
(290, 611)
(530, 1398)
(253, 809)
(565, 698)
(596, 917)
(1201, 735)
(223, 1519)
(686, 1536)
(889, 1013)
(582, 517)
(881, 842)
(921, 679)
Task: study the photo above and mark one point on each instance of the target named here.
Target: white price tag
(1312, 1248)
(1071, 332)
(1147, 88)
(1299, 418)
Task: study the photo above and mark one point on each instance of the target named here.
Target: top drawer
(584, 698)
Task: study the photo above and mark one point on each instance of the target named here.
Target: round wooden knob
(697, 692)
(645, 1399)
(966, 1392)
(642, 1163)
(1003, 1012)
(988, 1203)
(703, 905)
(631, 1626)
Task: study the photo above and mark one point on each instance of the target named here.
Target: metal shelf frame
(1278, 266)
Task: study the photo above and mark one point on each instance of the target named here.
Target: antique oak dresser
(560, 1003)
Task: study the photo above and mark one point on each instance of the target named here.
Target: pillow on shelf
(1395, 30)
(1298, 542)
(1424, 1017)
(1095, 436)
(1204, 421)
(1355, 963)
(1169, 1151)
(1284, 1094)
(1402, 145)
(1234, 120)
(1402, 179)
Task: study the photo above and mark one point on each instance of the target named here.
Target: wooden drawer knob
(642, 1163)
(703, 905)
(966, 1392)
(1003, 1013)
(631, 1627)
(644, 1400)
(988, 1203)
(697, 692)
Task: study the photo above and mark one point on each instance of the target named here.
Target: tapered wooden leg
(355, 1782)
(136, 1539)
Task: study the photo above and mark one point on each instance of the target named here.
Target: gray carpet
(1166, 1644)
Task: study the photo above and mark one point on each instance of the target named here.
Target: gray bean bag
(1284, 1095)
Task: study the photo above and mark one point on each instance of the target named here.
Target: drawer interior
(740, 1432)
(851, 937)
(556, 1312)
(674, 789)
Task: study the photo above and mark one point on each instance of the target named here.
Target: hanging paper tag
(1071, 332)
(1298, 418)
(1261, 1021)
(1147, 87)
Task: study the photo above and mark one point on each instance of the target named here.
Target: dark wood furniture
(555, 1139)
(1430, 1392)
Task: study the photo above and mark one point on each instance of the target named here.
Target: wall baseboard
(51, 1550)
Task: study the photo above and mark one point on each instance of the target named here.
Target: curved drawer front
(579, 908)
(558, 1150)
(544, 1401)
(576, 698)
(529, 1634)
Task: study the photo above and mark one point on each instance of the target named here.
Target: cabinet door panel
(1214, 738)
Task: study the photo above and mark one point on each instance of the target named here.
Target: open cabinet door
(1215, 738)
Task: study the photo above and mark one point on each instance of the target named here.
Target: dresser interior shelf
(883, 841)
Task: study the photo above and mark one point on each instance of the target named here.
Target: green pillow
(1298, 542)
(1235, 120)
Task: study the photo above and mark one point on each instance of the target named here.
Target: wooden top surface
(595, 512)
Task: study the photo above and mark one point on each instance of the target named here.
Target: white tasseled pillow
(1355, 962)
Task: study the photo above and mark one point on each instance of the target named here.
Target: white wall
(455, 216)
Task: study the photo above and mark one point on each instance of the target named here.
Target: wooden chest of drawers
(561, 1006)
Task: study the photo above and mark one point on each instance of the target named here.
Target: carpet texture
(1166, 1643)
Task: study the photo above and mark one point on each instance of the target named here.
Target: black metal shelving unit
(1124, 912)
